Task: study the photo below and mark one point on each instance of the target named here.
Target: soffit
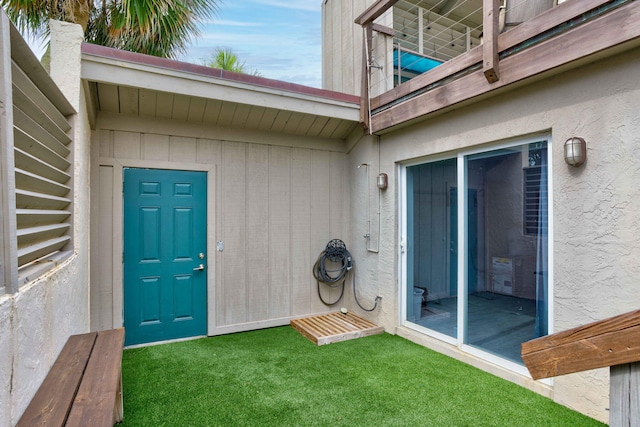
(148, 87)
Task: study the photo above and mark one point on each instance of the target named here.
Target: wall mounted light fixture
(383, 181)
(575, 151)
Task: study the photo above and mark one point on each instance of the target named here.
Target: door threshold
(150, 344)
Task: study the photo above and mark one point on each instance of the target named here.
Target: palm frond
(155, 27)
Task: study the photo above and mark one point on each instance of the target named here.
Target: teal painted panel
(182, 231)
(183, 189)
(149, 301)
(150, 234)
(150, 188)
(183, 304)
(165, 230)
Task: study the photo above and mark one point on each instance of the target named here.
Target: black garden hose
(336, 252)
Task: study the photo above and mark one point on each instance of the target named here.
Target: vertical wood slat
(625, 395)
(279, 231)
(257, 245)
(303, 291)
(209, 151)
(156, 147)
(182, 149)
(127, 145)
(336, 36)
(102, 257)
(348, 77)
(321, 231)
(231, 304)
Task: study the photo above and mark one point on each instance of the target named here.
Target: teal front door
(165, 260)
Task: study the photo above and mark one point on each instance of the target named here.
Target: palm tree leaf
(155, 27)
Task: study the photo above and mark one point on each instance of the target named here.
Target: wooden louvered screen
(42, 171)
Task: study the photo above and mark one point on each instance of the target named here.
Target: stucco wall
(595, 207)
(41, 317)
(36, 321)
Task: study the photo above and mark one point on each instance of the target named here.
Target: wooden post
(367, 50)
(624, 395)
(490, 40)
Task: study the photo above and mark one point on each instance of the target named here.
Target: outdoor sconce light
(383, 181)
(575, 151)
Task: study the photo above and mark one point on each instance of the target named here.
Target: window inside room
(477, 252)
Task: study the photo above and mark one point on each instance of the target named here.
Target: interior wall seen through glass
(505, 248)
(432, 241)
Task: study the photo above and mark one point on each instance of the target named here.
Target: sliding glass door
(477, 247)
(432, 283)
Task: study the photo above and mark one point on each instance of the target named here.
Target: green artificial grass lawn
(276, 377)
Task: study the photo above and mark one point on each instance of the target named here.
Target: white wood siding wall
(274, 207)
(342, 45)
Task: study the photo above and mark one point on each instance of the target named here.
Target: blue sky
(281, 39)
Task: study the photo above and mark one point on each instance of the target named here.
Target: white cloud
(306, 5)
(281, 39)
(230, 23)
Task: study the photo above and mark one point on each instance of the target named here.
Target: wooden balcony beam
(590, 38)
(541, 23)
(383, 29)
(374, 11)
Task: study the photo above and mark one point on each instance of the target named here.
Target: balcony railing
(421, 56)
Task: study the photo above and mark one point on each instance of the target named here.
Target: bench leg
(118, 410)
(625, 395)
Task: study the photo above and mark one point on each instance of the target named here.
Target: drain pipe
(379, 212)
(368, 234)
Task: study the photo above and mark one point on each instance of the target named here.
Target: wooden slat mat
(335, 327)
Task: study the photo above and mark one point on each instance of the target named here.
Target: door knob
(199, 268)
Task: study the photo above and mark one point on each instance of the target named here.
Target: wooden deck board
(335, 327)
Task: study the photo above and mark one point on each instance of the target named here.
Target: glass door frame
(404, 242)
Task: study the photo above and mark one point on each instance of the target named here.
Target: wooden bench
(84, 385)
(612, 342)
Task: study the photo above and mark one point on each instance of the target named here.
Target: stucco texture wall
(36, 321)
(41, 317)
(596, 252)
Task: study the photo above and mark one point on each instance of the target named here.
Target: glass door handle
(199, 268)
